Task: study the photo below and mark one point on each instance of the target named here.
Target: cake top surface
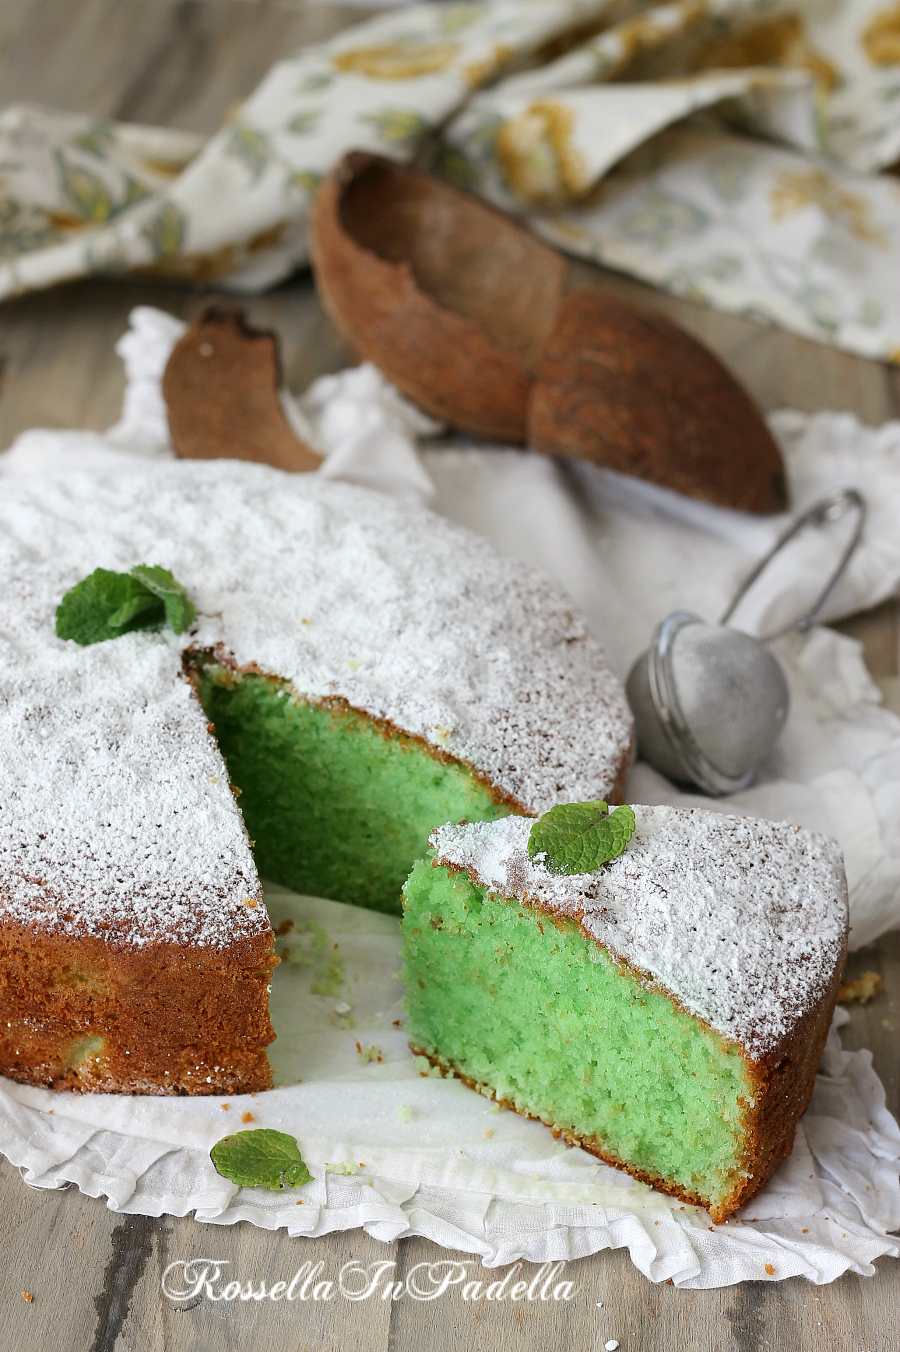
(115, 806)
(742, 920)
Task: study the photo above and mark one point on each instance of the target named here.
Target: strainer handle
(830, 508)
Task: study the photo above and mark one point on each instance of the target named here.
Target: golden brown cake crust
(785, 1079)
(93, 1016)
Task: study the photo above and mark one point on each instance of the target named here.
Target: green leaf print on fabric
(84, 193)
(308, 180)
(23, 228)
(818, 302)
(304, 123)
(730, 176)
(250, 146)
(661, 220)
(397, 125)
(96, 140)
(166, 230)
(313, 83)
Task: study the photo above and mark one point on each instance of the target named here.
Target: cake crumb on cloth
(860, 991)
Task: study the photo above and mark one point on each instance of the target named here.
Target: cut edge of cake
(91, 1016)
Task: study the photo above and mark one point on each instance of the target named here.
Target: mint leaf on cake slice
(579, 837)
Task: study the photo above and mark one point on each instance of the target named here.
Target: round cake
(359, 672)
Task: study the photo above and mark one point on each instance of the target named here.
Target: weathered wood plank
(96, 1281)
(181, 63)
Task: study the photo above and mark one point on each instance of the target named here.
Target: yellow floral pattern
(537, 155)
(881, 37)
(398, 60)
(396, 125)
(779, 41)
(795, 192)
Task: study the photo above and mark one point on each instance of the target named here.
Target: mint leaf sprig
(260, 1159)
(579, 837)
(106, 604)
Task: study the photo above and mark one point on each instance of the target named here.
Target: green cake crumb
(426, 1069)
(312, 946)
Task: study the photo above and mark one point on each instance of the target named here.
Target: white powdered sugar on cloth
(742, 920)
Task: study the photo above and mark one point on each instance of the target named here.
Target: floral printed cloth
(726, 150)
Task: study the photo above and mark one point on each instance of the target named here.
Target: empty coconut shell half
(445, 295)
(467, 313)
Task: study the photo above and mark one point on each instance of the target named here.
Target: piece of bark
(221, 390)
(626, 388)
(449, 298)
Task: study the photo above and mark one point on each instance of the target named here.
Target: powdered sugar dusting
(117, 816)
(742, 920)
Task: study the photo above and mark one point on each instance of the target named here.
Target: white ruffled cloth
(399, 1153)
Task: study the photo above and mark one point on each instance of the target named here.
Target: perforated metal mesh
(732, 695)
(732, 692)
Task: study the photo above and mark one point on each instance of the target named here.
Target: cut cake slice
(666, 1011)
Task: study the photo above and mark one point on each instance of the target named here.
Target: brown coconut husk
(626, 388)
(221, 390)
(449, 298)
(467, 313)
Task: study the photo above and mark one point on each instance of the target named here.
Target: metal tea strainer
(709, 702)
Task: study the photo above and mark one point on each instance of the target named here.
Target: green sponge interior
(545, 1018)
(337, 805)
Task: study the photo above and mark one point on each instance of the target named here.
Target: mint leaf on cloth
(106, 605)
(579, 837)
(260, 1159)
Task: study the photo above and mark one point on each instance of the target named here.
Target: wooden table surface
(95, 1275)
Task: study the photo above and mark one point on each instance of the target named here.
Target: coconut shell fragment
(221, 391)
(449, 298)
(626, 388)
(467, 313)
